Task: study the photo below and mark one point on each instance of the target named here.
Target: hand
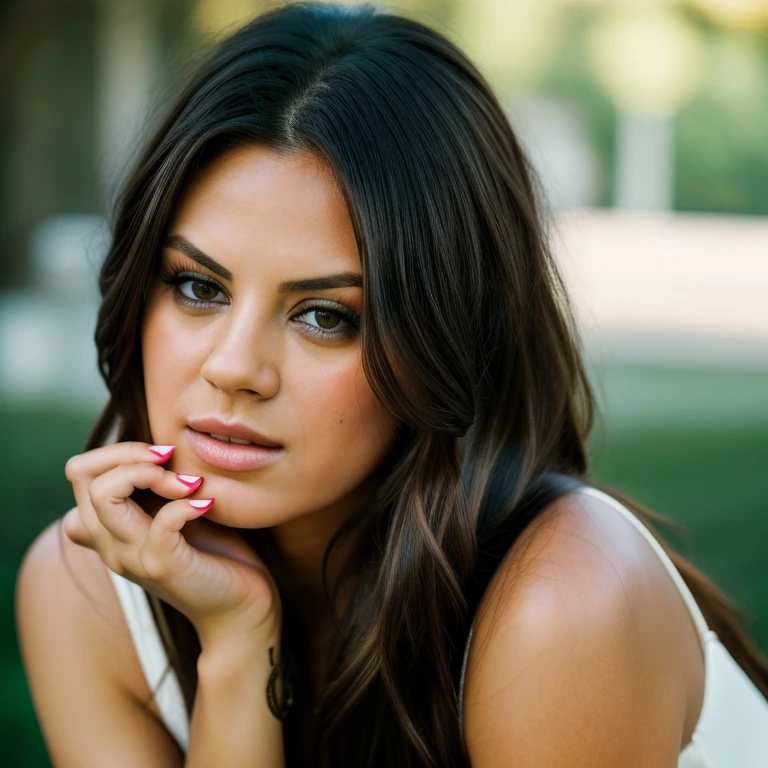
(219, 584)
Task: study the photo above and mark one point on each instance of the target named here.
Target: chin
(234, 511)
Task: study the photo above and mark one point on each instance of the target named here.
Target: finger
(85, 466)
(81, 469)
(164, 541)
(73, 526)
(125, 520)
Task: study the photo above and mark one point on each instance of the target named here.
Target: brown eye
(204, 291)
(326, 323)
(201, 291)
(325, 319)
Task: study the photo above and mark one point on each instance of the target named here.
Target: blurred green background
(660, 106)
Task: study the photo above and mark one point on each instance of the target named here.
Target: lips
(235, 430)
(231, 456)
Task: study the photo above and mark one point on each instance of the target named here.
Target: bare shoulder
(581, 642)
(72, 586)
(79, 658)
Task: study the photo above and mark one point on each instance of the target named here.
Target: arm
(82, 669)
(209, 573)
(88, 687)
(570, 664)
(231, 723)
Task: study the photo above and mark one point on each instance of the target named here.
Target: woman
(330, 322)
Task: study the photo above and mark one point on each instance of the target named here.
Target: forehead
(252, 202)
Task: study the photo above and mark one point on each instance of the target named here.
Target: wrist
(266, 666)
(239, 637)
(232, 706)
(228, 661)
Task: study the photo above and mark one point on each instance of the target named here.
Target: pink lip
(238, 458)
(232, 429)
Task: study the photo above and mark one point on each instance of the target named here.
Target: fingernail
(162, 451)
(191, 481)
(201, 505)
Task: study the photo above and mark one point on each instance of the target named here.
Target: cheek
(342, 419)
(168, 357)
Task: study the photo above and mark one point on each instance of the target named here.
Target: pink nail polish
(163, 452)
(201, 505)
(191, 481)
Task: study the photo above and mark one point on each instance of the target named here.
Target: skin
(267, 218)
(581, 642)
(584, 652)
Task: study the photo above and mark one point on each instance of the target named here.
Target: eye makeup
(187, 281)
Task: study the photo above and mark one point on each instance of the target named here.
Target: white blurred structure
(128, 53)
(676, 287)
(644, 162)
(47, 351)
(558, 144)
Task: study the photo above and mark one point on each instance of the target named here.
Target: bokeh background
(648, 124)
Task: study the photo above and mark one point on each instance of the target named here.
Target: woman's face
(275, 358)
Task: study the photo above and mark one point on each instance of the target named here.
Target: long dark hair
(467, 338)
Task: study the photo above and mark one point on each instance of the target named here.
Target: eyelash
(352, 320)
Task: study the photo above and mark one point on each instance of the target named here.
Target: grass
(36, 492)
(713, 482)
(692, 445)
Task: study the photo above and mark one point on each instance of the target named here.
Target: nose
(244, 354)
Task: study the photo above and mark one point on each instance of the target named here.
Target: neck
(299, 547)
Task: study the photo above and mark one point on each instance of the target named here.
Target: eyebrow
(340, 280)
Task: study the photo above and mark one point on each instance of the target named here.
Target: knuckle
(96, 490)
(147, 474)
(73, 527)
(73, 467)
(155, 472)
(122, 517)
(155, 567)
(113, 563)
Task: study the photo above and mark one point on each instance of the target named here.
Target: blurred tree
(649, 59)
(738, 14)
(722, 152)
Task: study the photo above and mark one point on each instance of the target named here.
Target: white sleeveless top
(732, 731)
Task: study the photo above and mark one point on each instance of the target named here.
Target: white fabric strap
(153, 658)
